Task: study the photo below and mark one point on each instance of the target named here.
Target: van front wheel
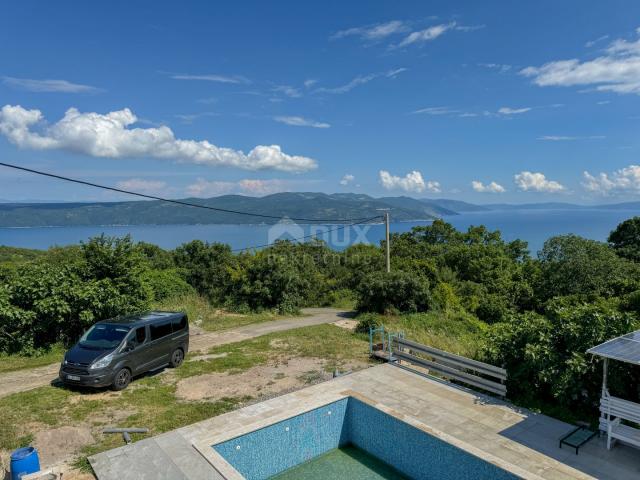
(177, 357)
(122, 379)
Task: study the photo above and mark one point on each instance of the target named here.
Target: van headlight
(102, 363)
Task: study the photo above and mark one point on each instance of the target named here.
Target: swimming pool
(349, 422)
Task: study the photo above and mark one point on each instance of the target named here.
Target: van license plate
(73, 377)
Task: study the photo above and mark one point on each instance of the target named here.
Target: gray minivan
(114, 351)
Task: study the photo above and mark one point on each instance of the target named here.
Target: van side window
(160, 330)
(141, 335)
(179, 323)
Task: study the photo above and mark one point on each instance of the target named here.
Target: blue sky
(477, 101)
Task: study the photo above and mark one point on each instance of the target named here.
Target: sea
(532, 226)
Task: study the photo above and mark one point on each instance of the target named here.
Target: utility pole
(386, 237)
(386, 227)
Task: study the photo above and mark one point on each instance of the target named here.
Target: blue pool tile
(268, 451)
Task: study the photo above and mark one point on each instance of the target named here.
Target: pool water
(344, 463)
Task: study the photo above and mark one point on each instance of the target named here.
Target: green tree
(575, 265)
(625, 239)
(397, 291)
(207, 268)
(45, 303)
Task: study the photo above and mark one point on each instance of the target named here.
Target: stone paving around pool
(516, 440)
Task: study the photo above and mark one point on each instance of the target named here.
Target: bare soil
(62, 443)
(263, 380)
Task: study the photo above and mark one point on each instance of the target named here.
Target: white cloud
(347, 179)
(288, 90)
(436, 111)
(500, 67)
(427, 34)
(214, 78)
(537, 182)
(625, 180)
(618, 70)
(310, 82)
(143, 186)
(373, 32)
(263, 187)
(109, 136)
(566, 138)
(469, 28)
(205, 188)
(513, 111)
(301, 122)
(361, 80)
(450, 111)
(62, 86)
(591, 43)
(492, 187)
(255, 187)
(189, 118)
(411, 182)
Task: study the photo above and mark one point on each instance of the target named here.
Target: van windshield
(104, 336)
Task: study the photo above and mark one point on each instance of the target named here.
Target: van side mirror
(129, 346)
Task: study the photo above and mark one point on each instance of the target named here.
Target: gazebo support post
(605, 372)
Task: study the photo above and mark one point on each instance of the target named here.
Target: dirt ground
(263, 380)
(346, 324)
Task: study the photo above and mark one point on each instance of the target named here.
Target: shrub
(445, 298)
(492, 308)
(383, 292)
(167, 284)
(207, 268)
(367, 321)
(45, 303)
(545, 355)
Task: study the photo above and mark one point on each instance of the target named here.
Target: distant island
(338, 206)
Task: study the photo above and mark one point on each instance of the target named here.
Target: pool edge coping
(204, 444)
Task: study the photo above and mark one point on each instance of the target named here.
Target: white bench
(613, 411)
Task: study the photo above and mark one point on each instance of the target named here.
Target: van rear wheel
(177, 357)
(122, 379)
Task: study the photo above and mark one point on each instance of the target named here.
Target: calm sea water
(533, 226)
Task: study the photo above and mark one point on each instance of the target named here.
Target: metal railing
(450, 366)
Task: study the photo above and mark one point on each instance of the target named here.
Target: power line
(342, 227)
(179, 202)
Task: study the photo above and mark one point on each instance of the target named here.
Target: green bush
(492, 308)
(45, 303)
(269, 281)
(545, 355)
(445, 298)
(367, 321)
(631, 302)
(207, 268)
(167, 283)
(397, 291)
